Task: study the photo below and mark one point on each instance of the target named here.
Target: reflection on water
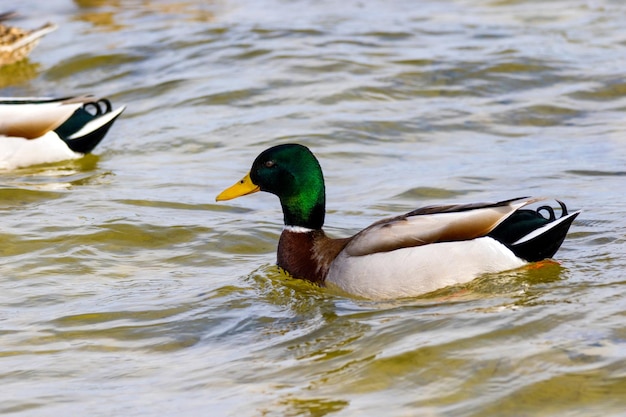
(109, 16)
(18, 73)
(128, 290)
(58, 176)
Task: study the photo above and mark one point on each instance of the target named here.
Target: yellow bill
(243, 187)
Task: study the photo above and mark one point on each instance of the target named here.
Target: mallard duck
(44, 130)
(16, 43)
(408, 255)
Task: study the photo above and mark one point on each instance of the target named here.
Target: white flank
(418, 270)
(18, 152)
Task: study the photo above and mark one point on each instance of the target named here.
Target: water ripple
(129, 291)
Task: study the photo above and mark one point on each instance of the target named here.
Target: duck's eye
(269, 164)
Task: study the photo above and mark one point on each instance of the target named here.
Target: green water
(128, 291)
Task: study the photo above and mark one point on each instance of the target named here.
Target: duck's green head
(293, 173)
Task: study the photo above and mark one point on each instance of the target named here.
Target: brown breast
(308, 255)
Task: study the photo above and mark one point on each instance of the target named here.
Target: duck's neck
(301, 245)
(306, 209)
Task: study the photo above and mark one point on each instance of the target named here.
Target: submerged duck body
(416, 253)
(45, 130)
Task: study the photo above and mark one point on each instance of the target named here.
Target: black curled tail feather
(550, 210)
(533, 237)
(546, 243)
(89, 112)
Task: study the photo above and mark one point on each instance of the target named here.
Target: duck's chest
(296, 255)
(307, 254)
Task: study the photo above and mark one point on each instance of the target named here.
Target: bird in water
(421, 251)
(17, 43)
(45, 130)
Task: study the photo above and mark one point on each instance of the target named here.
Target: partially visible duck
(16, 43)
(45, 130)
(416, 253)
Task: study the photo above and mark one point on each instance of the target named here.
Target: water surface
(128, 291)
